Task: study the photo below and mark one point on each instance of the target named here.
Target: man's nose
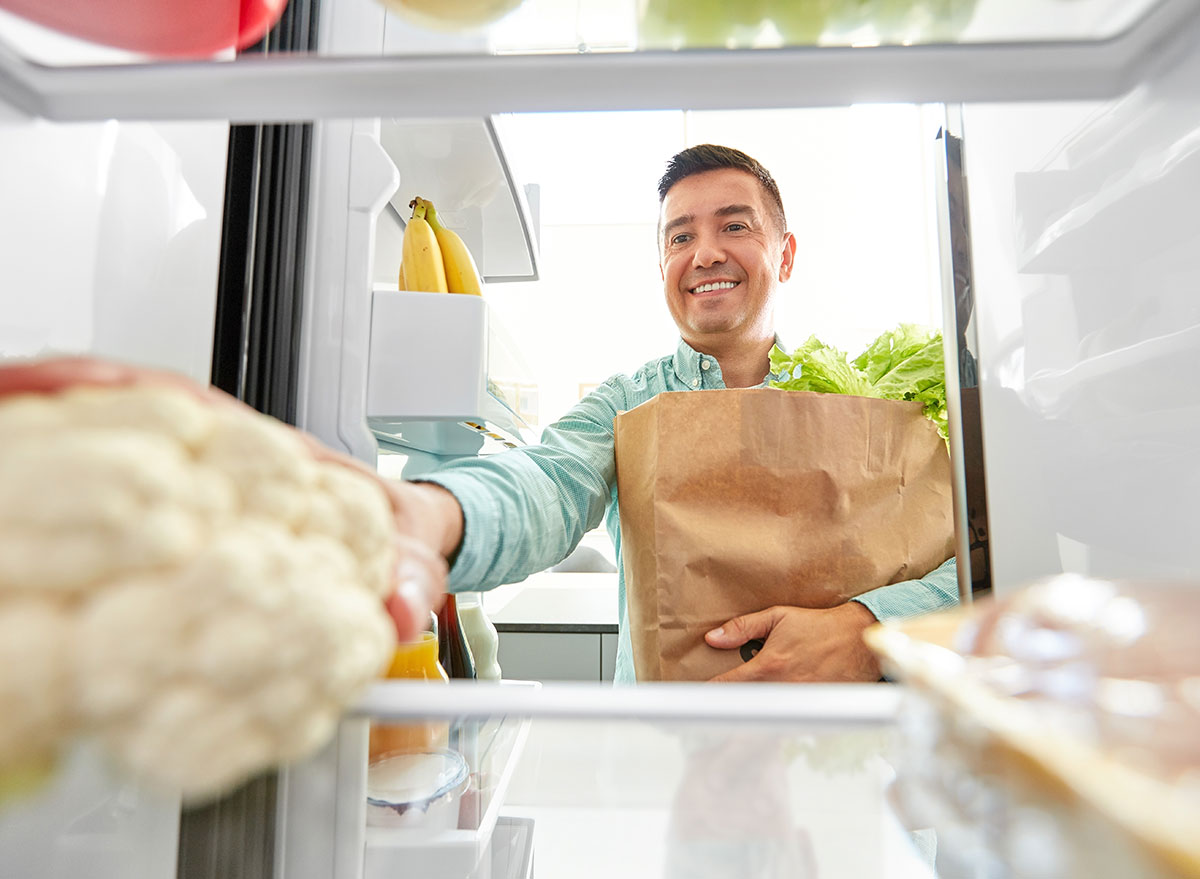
(707, 253)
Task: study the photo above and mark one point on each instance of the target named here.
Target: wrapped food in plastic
(1053, 732)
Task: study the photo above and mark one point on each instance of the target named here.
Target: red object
(454, 653)
(172, 28)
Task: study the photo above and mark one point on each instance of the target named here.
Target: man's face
(722, 256)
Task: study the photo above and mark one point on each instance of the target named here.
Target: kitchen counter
(554, 602)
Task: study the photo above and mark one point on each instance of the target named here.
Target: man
(724, 250)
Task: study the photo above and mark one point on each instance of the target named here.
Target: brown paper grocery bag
(732, 501)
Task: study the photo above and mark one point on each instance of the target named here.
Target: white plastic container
(418, 791)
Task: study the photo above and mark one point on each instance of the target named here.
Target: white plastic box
(441, 376)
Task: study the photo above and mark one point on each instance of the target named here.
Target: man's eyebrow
(732, 209)
(676, 223)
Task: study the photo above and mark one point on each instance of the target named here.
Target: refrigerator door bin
(510, 856)
(442, 377)
(492, 747)
(459, 165)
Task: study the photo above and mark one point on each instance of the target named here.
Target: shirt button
(695, 382)
(704, 364)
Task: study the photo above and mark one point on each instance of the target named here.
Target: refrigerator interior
(1084, 238)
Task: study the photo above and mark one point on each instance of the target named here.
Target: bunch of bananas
(434, 259)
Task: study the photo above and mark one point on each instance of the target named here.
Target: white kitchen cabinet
(608, 655)
(558, 656)
(550, 656)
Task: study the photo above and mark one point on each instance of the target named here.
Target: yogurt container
(418, 791)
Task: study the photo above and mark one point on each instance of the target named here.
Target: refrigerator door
(1087, 259)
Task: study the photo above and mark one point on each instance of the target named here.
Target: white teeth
(720, 285)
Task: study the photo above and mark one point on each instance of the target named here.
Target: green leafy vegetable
(904, 364)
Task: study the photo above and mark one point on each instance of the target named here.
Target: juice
(414, 660)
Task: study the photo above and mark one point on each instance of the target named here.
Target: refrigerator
(236, 218)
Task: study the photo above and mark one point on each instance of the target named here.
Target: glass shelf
(767, 780)
(661, 780)
(552, 55)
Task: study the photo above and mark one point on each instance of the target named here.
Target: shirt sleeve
(526, 509)
(909, 598)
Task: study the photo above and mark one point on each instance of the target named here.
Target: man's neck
(743, 364)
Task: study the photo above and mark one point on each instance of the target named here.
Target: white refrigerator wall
(1086, 239)
(110, 240)
(109, 244)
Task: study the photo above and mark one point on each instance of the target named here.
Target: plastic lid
(414, 778)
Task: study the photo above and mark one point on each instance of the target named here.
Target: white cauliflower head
(184, 581)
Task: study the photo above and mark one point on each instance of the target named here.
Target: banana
(461, 274)
(421, 258)
(402, 285)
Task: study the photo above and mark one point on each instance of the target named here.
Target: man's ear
(788, 258)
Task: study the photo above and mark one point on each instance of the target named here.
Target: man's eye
(736, 227)
(681, 238)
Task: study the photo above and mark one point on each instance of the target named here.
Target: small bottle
(481, 634)
(414, 660)
(453, 651)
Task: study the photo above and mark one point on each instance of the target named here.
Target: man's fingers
(56, 374)
(420, 588)
(747, 671)
(741, 629)
(53, 375)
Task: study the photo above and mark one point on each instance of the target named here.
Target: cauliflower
(185, 582)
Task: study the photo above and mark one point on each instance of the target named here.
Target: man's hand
(801, 644)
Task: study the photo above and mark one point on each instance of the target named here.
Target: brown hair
(710, 157)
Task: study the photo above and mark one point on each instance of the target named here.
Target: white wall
(858, 193)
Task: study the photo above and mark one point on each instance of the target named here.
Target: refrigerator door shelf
(459, 165)
(442, 376)
(511, 851)
(492, 747)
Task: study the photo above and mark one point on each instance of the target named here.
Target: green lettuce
(904, 364)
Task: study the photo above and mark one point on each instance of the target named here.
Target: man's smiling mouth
(714, 286)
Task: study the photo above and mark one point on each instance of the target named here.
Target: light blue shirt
(525, 510)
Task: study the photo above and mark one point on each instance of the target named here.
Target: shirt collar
(687, 365)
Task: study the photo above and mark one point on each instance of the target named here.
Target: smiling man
(724, 250)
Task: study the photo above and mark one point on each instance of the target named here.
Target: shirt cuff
(471, 565)
(909, 598)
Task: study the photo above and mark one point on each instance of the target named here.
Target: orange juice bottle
(415, 660)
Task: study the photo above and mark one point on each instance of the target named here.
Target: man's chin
(712, 325)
